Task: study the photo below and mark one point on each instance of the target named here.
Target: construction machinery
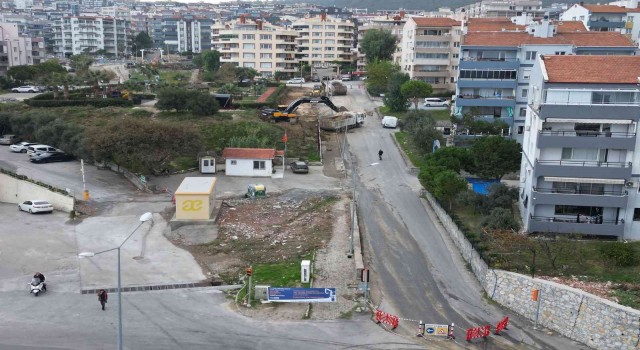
(342, 121)
(287, 113)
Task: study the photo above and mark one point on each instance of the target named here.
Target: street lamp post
(143, 218)
(142, 56)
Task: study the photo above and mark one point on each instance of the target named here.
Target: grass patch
(628, 296)
(437, 114)
(286, 274)
(415, 156)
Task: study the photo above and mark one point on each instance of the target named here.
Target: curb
(146, 288)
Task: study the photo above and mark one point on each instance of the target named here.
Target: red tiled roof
(249, 153)
(609, 9)
(592, 69)
(504, 24)
(602, 39)
(435, 22)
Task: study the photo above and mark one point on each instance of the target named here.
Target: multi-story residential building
(495, 67)
(74, 35)
(430, 49)
(392, 23)
(325, 41)
(181, 33)
(581, 155)
(503, 8)
(18, 50)
(608, 18)
(255, 44)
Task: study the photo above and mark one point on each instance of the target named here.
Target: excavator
(286, 113)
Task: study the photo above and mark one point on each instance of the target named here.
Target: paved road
(418, 272)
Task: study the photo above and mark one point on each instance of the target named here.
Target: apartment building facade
(581, 154)
(17, 49)
(503, 8)
(324, 41)
(430, 51)
(392, 23)
(495, 67)
(74, 35)
(255, 44)
(608, 18)
(181, 33)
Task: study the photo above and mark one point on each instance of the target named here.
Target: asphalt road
(418, 273)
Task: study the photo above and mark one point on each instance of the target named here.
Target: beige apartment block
(18, 50)
(255, 44)
(391, 23)
(430, 51)
(325, 41)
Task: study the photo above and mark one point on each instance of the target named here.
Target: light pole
(142, 57)
(143, 218)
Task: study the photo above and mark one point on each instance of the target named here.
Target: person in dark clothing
(380, 154)
(102, 297)
(40, 276)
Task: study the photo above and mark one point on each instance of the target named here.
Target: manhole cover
(138, 257)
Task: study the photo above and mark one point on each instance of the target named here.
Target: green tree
(245, 73)
(21, 73)
(230, 88)
(421, 129)
(452, 158)
(415, 90)
(494, 156)
(393, 98)
(95, 77)
(202, 104)
(278, 75)
(447, 186)
(378, 44)
(142, 41)
(81, 63)
(500, 219)
(211, 60)
(378, 73)
(170, 98)
(226, 73)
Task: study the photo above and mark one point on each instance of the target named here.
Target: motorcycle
(37, 286)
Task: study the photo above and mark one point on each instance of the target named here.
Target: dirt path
(195, 76)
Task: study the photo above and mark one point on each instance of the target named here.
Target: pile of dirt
(267, 230)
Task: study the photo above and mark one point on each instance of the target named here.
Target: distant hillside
(427, 5)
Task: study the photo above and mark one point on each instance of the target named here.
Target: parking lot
(17, 96)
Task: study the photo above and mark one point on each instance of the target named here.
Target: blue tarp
(481, 186)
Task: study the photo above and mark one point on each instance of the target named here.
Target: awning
(589, 121)
(585, 180)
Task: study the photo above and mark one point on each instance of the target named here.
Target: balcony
(485, 101)
(586, 139)
(605, 24)
(582, 225)
(587, 168)
(588, 111)
(553, 196)
(489, 63)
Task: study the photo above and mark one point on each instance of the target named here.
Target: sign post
(536, 296)
(249, 274)
(301, 295)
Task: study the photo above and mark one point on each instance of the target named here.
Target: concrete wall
(14, 190)
(586, 318)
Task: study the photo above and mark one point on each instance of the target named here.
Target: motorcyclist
(40, 277)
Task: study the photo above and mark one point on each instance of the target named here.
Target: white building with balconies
(324, 41)
(74, 35)
(581, 155)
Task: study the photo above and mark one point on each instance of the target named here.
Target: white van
(436, 102)
(389, 122)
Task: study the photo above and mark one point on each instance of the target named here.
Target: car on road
(295, 81)
(299, 167)
(315, 79)
(26, 88)
(9, 139)
(436, 102)
(345, 77)
(48, 157)
(389, 122)
(21, 147)
(36, 206)
(35, 149)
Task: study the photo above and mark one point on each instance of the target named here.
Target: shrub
(619, 253)
(500, 219)
(98, 103)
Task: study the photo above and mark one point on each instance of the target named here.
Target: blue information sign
(302, 295)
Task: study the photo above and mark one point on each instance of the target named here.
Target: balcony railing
(578, 192)
(578, 219)
(490, 59)
(492, 97)
(588, 133)
(593, 163)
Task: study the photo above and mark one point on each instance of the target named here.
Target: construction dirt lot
(286, 228)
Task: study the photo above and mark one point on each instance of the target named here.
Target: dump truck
(286, 113)
(342, 121)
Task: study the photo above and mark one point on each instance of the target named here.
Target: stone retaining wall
(586, 318)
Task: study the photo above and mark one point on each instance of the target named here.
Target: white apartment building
(624, 17)
(74, 35)
(392, 23)
(580, 152)
(324, 41)
(253, 44)
(430, 51)
(18, 50)
(503, 8)
(115, 12)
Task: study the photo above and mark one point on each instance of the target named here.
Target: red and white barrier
(478, 332)
(386, 318)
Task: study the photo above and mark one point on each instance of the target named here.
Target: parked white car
(36, 206)
(295, 81)
(436, 102)
(21, 147)
(33, 149)
(26, 88)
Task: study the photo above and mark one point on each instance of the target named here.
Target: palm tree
(67, 80)
(94, 78)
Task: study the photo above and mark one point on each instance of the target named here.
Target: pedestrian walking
(102, 297)
(380, 154)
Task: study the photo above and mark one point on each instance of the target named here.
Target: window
(432, 55)
(259, 164)
(317, 34)
(578, 210)
(583, 154)
(520, 129)
(316, 55)
(234, 162)
(330, 42)
(248, 55)
(247, 46)
(330, 34)
(456, 55)
(265, 55)
(524, 93)
(329, 56)
(331, 26)
(523, 112)
(316, 26)
(456, 44)
(560, 52)
(316, 41)
(526, 74)
(265, 36)
(249, 65)
(248, 36)
(265, 46)
(636, 214)
(531, 55)
(265, 64)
